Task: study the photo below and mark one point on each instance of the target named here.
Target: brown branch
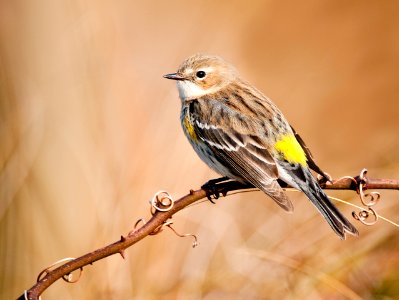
(160, 217)
(372, 184)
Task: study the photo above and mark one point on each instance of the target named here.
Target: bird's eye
(200, 74)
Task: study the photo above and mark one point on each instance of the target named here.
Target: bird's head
(200, 75)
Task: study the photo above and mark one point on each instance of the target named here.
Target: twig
(161, 217)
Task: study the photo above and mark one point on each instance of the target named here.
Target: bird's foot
(211, 189)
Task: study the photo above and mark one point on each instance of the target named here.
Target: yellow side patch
(289, 147)
(190, 128)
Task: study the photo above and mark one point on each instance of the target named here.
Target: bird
(242, 135)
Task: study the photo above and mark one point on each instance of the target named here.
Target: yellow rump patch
(190, 128)
(289, 147)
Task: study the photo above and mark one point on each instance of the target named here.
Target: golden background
(90, 131)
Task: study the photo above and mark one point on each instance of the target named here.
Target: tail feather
(333, 216)
(301, 178)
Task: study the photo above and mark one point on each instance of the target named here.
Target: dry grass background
(90, 130)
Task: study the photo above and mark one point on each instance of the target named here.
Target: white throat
(190, 90)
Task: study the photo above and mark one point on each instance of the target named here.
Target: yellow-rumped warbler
(241, 134)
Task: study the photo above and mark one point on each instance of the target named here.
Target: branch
(164, 210)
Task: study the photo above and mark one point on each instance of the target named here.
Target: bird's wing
(246, 155)
(309, 157)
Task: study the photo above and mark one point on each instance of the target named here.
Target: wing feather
(249, 159)
(311, 162)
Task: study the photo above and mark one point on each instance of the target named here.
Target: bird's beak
(174, 76)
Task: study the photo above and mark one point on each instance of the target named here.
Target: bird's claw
(211, 189)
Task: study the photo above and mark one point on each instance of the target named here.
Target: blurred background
(90, 131)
